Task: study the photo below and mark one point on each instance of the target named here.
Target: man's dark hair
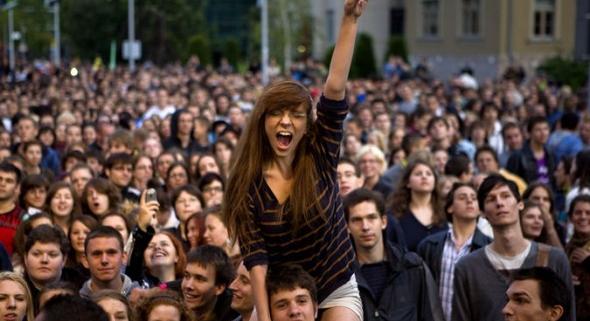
(437, 119)
(582, 198)
(457, 165)
(118, 158)
(492, 181)
(451, 197)
(289, 277)
(509, 126)
(59, 285)
(486, 149)
(552, 289)
(7, 167)
(534, 121)
(569, 121)
(346, 160)
(209, 255)
(104, 231)
(93, 153)
(72, 308)
(209, 178)
(360, 195)
(46, 234)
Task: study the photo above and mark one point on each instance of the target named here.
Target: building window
(544, 19)
(330, 32)
(471, 15)
(430, 18)
(396, 22)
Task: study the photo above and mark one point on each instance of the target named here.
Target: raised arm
(342, 57)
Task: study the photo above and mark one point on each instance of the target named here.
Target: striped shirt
(447, 271)
(322, 247)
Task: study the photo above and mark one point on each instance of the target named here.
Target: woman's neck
(165, 273)
(370, 182)
(420, 200)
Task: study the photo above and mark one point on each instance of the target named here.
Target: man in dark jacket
(392, 282)
(442, 250)
(534, 162)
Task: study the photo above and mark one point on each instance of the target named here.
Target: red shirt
(8, 224)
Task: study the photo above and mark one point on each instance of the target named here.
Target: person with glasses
(119, 171)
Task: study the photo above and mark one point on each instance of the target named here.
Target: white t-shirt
(501, 262)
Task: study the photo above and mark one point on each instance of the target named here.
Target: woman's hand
(579, 255)
(354, 8)
(147, 212)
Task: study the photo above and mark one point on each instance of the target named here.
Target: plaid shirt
(450, 258)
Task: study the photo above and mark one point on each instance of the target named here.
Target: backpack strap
(543, 255)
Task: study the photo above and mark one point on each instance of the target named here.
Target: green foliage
(565, 71)
(363, 62)
(231, 51)
(328, 56)
(199, 45)
(35, 24)
(396, 46)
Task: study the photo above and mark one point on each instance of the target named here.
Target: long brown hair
(400, 200)
(254, 152)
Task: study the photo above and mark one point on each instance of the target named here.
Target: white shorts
(347, 296)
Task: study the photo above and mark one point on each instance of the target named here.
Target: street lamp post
(11, 55)
(131, 33)
(264, 9)
(56, 35)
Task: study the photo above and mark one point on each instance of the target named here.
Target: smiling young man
(207, 276)
(242, 296)
(104, 253)
(292, 294)
(536, 294)
(482, 277)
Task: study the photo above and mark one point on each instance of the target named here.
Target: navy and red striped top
(322, 247)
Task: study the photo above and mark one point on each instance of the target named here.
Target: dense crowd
(129, 189)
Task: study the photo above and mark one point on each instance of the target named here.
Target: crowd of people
(188, 193)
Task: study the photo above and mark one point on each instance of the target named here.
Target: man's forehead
(289, 294)
(528, 287)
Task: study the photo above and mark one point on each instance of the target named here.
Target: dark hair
(209, 178)
(582, 172)
(581, 198)
(552, 289)
(290, 277)
(76, 154)
(190, 189)
(102, 186)
(7, 167)
(24, 229)
(346, 160)
(126, 219)
(93, 153)
(399, 201)
(31, 182)
(72, 308)
(209, 255)
(437, 119)
(533, 186)
(486, 149)
(569, 121)
(360, 195)
(55, 187)
(451, 198)
(170, 298)
(59, 285)
(491, 182)
(534, 121)
(119, 158)
(114, 295)
(106, 232)
(509, 126)
(45, 234)
(457, 165)
(200, 218)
